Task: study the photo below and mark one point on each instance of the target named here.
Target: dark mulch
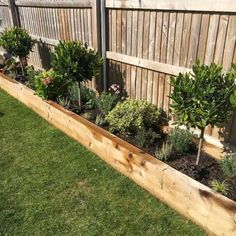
(207, 170)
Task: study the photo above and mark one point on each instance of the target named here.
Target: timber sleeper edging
(212, 211)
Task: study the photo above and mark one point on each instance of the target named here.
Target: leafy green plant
(106, 102)
(18, 43)
(100, 120)
(221, 187)
(145, 138)
(164, 153)
(64, 102)
(12, 67)
(203, 97)
(181, 140)
(73, 92)
(31, 74)
(88, 97)
(228, 165)
(233, 98)
(75, 61)
(76, 108)
(131, 116)
(50, 85)
(88, 115)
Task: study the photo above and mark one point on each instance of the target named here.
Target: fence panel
(163, 38)
(49, 21)
(5, 15)
(148, 41)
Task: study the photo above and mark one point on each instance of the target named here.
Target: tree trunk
(23, 64)
(200, 145)
(79, 93)
(22, 68)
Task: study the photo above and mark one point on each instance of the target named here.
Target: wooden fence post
(14, 13)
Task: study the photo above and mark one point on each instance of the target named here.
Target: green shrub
(88, 97)
(145, 138)
(221, 187)
(75, 61)
(228, 165)
(50, 85)
(164, 153)
(106, 102)
(181, 140)
(203, 97)
(100, 120)
(88, 115)
(131, 116)
(12, 67)
(18, 43)
(31, 74)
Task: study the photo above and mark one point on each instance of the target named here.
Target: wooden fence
(49, 21)
(147, 41)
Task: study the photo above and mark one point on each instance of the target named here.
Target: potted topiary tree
(76, 62)
(203, 97)
(18, 43)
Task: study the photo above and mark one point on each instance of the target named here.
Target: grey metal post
(103, 42)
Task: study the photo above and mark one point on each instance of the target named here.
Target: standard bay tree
(18, 43)
(75, 61)
(203, 97)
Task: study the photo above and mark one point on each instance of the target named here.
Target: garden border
(212, 211)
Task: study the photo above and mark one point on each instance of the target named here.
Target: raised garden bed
(212, 211)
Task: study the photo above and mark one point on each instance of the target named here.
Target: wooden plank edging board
(212, 211)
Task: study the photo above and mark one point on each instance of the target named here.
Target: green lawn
(51, 185)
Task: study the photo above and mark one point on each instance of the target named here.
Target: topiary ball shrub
(203, 97)
(18, 43)
(50, 85)
(131, 116)
(75, 61)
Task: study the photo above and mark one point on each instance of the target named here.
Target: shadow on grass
(1, 114)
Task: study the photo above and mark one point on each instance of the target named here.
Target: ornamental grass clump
(106, 102)
(181, 140)
(75, 61)
(18, 43)
(164, 152)
(203, 97)
(228, 165)
(131, 116)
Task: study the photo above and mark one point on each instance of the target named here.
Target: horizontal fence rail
(179, 5)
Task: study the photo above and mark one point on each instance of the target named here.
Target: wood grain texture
(172, 32)
(184, 5)
(172, 38)
(149, 64)
(212, 211)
